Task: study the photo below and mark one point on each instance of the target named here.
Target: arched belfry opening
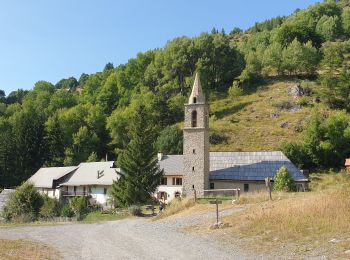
(194, 100)
(194, 118)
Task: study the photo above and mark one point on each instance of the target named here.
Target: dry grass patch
(26, 250)
(311, 223)
(176, 206)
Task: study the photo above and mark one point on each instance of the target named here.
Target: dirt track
(136, 238)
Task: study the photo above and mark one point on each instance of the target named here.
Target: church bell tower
(196, 142)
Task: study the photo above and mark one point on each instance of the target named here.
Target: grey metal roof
(86, 174)
(239, 166)
(172, 164)
(4, 197)
(44, 177)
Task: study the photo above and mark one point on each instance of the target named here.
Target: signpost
(217, 202)
(268, 182)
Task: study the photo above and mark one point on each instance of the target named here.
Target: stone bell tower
(196, 142)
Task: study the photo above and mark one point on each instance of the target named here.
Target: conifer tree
(140, 170)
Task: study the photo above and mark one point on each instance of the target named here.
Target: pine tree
(54, 142)
(140, 170)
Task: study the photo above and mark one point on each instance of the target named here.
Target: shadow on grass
(230, 110)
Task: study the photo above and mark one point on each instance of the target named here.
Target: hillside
(262, 120)
(245, 75)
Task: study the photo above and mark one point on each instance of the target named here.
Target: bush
(24, 204)
(283, 180)
(217, 138)
(50, 207)
(235, 90)
(66, 211)
(79, 205)
(135, 210)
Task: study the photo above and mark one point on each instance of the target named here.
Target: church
(201, 171)
(196, 171)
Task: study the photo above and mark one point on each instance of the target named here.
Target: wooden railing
(75, 193)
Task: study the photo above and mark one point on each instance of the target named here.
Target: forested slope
(246, 76)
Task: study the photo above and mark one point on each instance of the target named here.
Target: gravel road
(136, 238)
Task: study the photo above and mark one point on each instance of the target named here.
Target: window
(246, 187)
(177, 181)
(194, 100)
(194, 119)
(164, 181)
(177, 194)
(212, 185)
(194, 151)
(105, 191)
(84, 189)
(193, 168)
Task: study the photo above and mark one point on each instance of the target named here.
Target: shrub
(217, 138)
(283, 180)
(24, 204)
(135, 210)
(79, 206)
(235, 90)
(67, 211)
(50, 207)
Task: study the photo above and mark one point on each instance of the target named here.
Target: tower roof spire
(197, 95)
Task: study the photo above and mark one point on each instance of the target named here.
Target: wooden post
(269, 186)
(195, 195)
(217, 211)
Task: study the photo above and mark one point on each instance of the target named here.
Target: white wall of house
(98, 193)
(170, 189)
(52, 193)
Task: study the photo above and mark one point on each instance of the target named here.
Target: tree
(2, 96)
(92, 157)
(283, 181)
(24, 204)
(329, 27)
(140, 174)
(170, 140)
(54, 141)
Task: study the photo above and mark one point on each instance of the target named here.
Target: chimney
(160, 156)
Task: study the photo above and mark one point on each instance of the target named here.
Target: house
(196, 171)
(347, 165)
(90, 179)
(47, 179)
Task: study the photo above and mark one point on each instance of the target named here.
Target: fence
(222, 192)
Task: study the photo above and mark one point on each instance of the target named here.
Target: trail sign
(215, 202)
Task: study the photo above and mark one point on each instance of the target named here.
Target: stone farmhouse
(196, 170)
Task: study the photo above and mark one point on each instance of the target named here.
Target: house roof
(172, 164)
(239, 166)
(4, 197)
(87, 174)
(44, 177)
(347, 162)
(250, 166)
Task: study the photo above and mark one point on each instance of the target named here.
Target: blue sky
(50, 40)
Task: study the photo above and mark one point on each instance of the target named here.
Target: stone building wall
(196, 150)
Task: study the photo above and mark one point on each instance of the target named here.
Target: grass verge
(26, 250)
(311, 224)
(97, 216)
